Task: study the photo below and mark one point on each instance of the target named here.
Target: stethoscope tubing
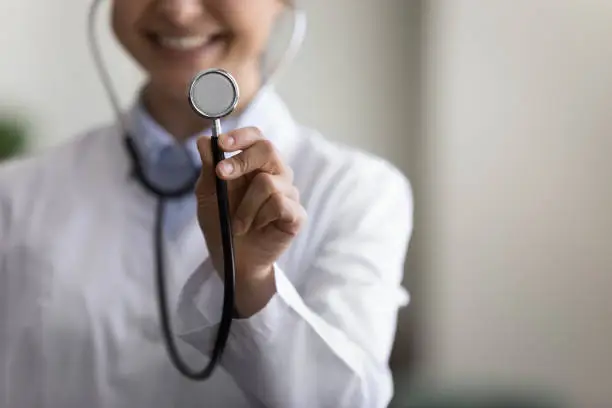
(228, 309)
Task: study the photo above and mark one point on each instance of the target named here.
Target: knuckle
(294, 230)
(273, 158)
(296, 226)
(298, 220)
(243, 135)
(238, 135)
(240, 215)
(244, 214)
(267, 147)
(296, 193)
(266, 182)
(277, 200)
(257, 131)
(254, 133)
(240, 162)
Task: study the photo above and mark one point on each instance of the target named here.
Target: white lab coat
(78, 315)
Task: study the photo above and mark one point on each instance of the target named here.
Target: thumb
(205, 188)
(205, 150)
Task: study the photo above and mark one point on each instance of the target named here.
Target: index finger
(240, 139)
(205, 150)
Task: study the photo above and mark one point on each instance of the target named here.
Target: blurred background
(499, 112)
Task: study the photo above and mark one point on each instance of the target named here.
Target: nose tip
(181, 11)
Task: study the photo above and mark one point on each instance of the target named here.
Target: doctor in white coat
(321, 232)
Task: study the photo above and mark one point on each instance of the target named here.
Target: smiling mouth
(186, 43)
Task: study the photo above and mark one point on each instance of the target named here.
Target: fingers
(287, 215)
(240, 139)
(258, 154)
(205, 150)
(262, 187)
(269, 195)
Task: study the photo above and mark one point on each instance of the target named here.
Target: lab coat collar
(150, 138)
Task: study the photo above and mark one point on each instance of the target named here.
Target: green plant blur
(13, 137)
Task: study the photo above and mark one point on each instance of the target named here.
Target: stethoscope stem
(225, 225)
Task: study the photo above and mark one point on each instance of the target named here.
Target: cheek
(118, 26)
(251, 21)
(124, 25)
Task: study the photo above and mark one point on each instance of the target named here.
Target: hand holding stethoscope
(264, 206)
(248, 210)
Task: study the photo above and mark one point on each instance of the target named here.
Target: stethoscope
(213, 94)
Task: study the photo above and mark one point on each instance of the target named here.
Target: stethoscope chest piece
(213, 94)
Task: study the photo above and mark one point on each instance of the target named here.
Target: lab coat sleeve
(328, 343)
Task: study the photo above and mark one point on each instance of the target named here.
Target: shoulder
(346, 171)
(344, 188)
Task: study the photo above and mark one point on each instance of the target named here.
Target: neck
(178, 118)
(174, 115)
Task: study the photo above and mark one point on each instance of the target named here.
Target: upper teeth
(183, 43)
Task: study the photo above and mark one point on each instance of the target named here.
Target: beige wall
(46, 69)
(519, 199)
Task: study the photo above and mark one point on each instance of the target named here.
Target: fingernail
(227, 168)
(229, 141)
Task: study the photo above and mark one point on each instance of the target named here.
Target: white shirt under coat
(78, 312)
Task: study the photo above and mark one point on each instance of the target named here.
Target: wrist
(254, 292)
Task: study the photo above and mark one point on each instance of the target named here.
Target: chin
(172, 79)
(169, 87)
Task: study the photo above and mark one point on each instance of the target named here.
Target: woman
(316, 297)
